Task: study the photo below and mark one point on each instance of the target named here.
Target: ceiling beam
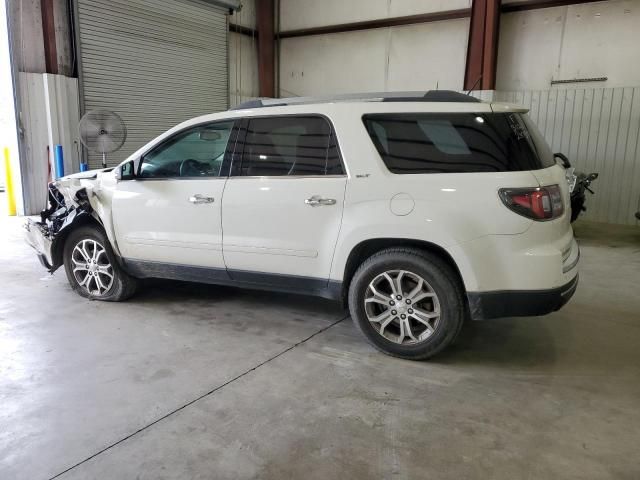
(537, 4)
(380, 23)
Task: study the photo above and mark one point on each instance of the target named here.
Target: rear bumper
(519, 303)
(36, 236)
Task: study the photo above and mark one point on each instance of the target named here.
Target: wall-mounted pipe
(59, 161)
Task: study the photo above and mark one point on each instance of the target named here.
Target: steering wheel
(190, 168)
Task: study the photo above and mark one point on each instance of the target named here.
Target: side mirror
(126, 171)
(563, 158)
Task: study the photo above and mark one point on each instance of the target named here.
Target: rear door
(282, 205)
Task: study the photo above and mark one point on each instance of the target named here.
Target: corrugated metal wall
(599, 130)
(154, 63)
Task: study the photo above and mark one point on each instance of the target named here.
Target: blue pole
(59, 161)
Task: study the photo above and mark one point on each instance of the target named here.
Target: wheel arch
(366, 248)
(57, 246)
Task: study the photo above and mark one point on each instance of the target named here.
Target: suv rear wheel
(92, 269)
(408, 303)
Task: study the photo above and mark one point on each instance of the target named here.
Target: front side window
(193, 153)
(457, 142)
(289, 145)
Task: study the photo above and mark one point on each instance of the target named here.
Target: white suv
(419, 211)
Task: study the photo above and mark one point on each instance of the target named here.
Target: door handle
(318, 201)
(197, 198)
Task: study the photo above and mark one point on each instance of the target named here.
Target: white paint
(273, 230)
(578, 41)
(154, 220)
(402, 204)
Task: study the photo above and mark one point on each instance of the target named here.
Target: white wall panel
(35, 162)
(246, 16)
(49, 116)
(422, 57)
(243, 57)
(313, 13)
(579, 41)
(416, 57)
(243, 68)
(338, 63)
(63, 115)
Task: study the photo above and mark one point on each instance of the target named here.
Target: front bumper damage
(47, 235)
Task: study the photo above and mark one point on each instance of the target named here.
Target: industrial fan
(102, 131)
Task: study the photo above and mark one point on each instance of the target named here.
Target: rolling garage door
(155, 63)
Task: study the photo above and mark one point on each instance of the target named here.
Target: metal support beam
(536, 4)
(482, 51)
(242, 30)
(265, 21)
(49, 35)
(380, 23)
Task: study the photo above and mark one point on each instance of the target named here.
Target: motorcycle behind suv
(579, 182)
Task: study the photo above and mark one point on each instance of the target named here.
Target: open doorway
(10, 183)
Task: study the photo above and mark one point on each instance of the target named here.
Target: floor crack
(204, 395)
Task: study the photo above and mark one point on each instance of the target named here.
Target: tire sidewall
(90, 233)
(445, 287)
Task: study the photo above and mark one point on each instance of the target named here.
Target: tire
(440, 297)
(93, 244)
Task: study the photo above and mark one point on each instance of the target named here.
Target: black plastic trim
(220, 276)
(519, 303)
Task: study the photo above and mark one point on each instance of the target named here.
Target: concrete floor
(189, 381)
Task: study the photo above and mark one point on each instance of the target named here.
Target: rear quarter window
(457, 142)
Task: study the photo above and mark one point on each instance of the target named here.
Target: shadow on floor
(158, 291)
(512, 342)
(517, 342)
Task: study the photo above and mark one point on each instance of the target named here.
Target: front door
(282, 205)
(170, 214)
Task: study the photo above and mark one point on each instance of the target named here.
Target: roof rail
(429, 96)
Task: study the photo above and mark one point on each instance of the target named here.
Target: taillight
(543, 203)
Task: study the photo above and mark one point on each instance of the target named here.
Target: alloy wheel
(91, 267)
(402, 307)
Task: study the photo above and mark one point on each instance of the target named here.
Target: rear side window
(290, 145)
(457, 142)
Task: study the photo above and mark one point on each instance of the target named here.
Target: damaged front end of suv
(69, 206)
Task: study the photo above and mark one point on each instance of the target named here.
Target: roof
(429, 96)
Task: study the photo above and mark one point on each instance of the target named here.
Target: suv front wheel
(92, 269)
(407, 303)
